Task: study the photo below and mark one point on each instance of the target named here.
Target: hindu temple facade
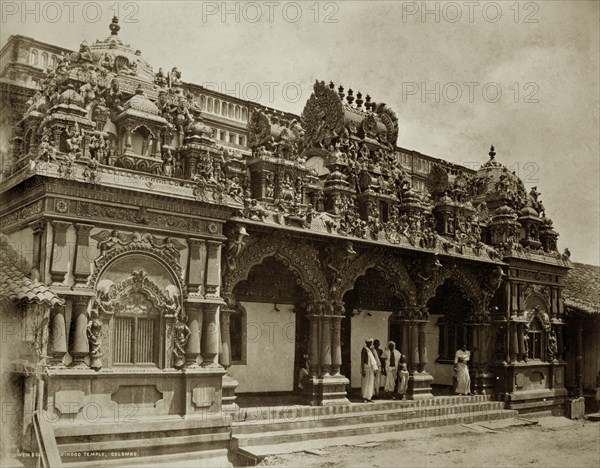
(198, 253)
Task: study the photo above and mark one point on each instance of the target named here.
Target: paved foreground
(544, 442)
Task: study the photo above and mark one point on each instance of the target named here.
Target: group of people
(388, 369)
(382, 368)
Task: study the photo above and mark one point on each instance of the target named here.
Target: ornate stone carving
(299, 256)
(114, 243)
(323, 116)
(391, 265)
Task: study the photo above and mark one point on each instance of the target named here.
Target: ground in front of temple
(548, 442)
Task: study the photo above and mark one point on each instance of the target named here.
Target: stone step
(145, 444)
(290, 411)
(388, 414)
(295, 435)
(139, 426)
(132, 443)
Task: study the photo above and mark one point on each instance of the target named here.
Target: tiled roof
(582, 288)
(15, 285)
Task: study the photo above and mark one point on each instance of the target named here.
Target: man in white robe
(392, 361)
(368, 366)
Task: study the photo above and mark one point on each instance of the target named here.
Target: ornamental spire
(114, 26)
(492, 153)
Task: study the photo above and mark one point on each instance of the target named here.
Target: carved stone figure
(181, 334)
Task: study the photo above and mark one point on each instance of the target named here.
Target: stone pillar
(82, 254)
(336, 344)
(192, 350)
(560, 342)
(514, 343)
(60, 252)
(58, 338)
(419, 384)
(229, 384)
(422, 346)
(521, 354)
(210, 336)
(313, 341)
(325, 385)
(127, 142)
(213, 271)
(196, 265)
(225, 354)
(39, 229)
(325, 345)
(579, 359)
(413, 354)
(79, 347)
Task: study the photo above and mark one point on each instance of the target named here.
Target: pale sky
(542, 56)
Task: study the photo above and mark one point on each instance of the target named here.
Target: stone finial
(114, 26)
(341, 92)
(350, 97)
(492, 152)
(331, 85)
(359, 100)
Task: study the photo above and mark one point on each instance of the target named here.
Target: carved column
(336, 344)
(128, 130)
(225, 354)
(60, 252)
(210, 336)
(192, 350)
(521, 354)
(313, 341)
(58, 338)
(514, 342)
(79, 347)
(325, 345)
(82, 253)
(560, 342)
(196, 265)
(579, 359)
(413, 341)
(419, 384)
(422, 345)
(213, 271)
(39, 229)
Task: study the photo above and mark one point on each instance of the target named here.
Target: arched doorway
(448, 328)
(370, 306)
(269, 331)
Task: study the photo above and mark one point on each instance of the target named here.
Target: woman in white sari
(463, 380)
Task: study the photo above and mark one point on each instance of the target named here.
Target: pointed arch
(393, 267)
(463, 277)
(299, 256)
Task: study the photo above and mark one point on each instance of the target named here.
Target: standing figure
(377, 353)
(303, 372)
(463, 379)
(402, 379)
(392, 362)
(368, 367)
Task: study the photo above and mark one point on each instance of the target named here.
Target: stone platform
(257, 431)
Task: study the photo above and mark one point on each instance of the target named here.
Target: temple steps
(251, 439)
(144, 443)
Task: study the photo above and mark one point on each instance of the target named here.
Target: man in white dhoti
(392, 360)
(463, 379)
(377, 353)
(368, 366)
